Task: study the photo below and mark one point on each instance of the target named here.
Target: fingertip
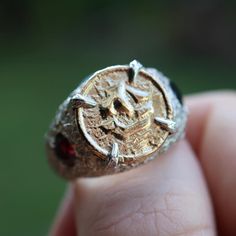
(156, 197)
(64, 223)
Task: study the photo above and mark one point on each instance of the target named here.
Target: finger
(64, 223)
(168, 196)
(211, 131)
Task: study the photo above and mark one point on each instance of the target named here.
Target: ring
(119, 118)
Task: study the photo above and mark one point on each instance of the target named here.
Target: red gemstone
(64, 150)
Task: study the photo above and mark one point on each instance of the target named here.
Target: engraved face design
(122, 112)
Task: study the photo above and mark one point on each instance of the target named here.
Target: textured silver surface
(92, 159)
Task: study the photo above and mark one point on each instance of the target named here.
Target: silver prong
(167, 124)
(84, 101)
(136, 67)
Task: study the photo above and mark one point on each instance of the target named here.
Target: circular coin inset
(121, 111)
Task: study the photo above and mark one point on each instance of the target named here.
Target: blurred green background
(47, 47)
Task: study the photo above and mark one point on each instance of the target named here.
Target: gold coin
(124, 114)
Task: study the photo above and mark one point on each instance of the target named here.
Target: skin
(191, 190)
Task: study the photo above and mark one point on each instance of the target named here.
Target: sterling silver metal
(119, 118)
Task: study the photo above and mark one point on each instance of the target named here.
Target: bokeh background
(47, 47)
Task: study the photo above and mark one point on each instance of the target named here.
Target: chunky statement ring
(119, 118)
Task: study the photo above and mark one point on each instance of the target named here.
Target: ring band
(119, 118)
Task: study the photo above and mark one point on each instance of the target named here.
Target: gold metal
(125, 114)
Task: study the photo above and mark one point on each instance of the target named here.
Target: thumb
(168, 196)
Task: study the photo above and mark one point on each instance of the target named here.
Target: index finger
(211, 131)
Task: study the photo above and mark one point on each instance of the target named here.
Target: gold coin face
(124, 113)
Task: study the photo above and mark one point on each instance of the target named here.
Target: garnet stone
(65, 152)
(177, 92)
(130, 74)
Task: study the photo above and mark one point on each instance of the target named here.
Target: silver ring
(119, 118)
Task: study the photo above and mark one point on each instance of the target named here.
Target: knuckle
(171, 213)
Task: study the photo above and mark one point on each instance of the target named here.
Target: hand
(191, 190)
